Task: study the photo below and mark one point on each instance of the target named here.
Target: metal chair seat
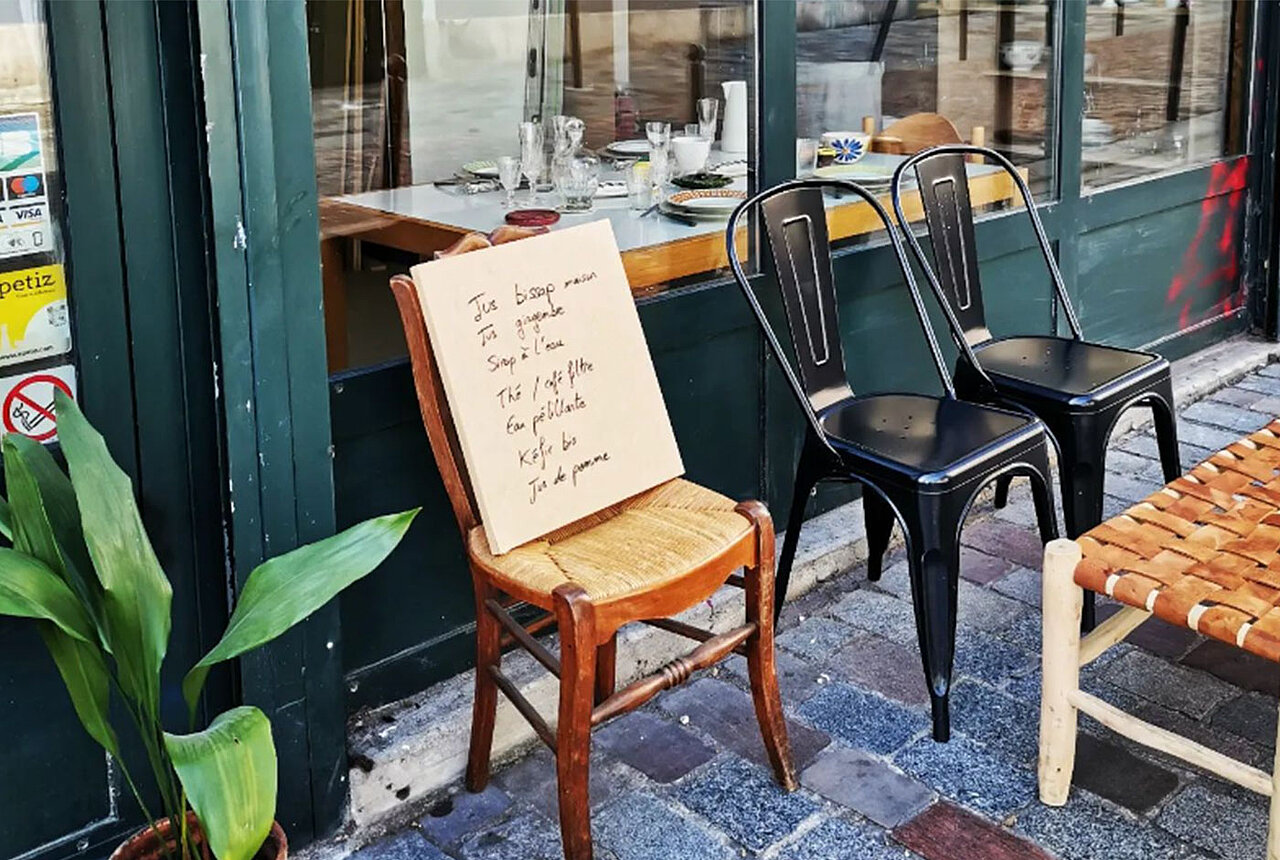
(921, 439)
(1075, 372)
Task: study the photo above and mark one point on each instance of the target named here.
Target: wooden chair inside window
(644, 559)
(917, 132)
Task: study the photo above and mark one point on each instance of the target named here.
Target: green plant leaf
(136, 594)
(30, 589)
(286, 589)
(84, 672)
(45, 520)
(229, 773)
(6, 519)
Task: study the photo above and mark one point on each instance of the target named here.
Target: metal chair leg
(1002, 490)
(1166, 424)
(934, 547)
(807, 477)
(879, 519)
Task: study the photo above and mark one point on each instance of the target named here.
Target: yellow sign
(33, 314)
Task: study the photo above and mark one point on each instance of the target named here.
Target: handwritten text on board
(549, 380)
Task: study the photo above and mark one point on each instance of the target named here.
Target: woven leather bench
(1204, 553)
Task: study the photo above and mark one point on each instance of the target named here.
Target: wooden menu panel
(549, 379)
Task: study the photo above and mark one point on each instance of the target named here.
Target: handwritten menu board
(549, 379)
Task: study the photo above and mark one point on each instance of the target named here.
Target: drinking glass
(693, 129)
(578, 181)
(509, 176)
(659, 135)
(531, 156)
(639, 185)
(708, 113)
(806, 156)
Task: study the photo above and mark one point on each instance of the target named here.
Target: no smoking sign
(26, 401)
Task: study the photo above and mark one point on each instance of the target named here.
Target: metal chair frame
(929, 498)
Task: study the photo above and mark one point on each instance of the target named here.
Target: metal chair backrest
(436, 417)
(956, 281)
(796, 227)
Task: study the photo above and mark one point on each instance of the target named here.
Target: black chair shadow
(921, 459)
(1076, 387)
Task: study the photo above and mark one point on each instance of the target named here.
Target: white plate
(483, 167)
(704, 215)
(731, 169)
(639, 146)
(711, 200)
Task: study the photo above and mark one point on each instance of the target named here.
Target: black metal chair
(1077, 388)
(921, 459)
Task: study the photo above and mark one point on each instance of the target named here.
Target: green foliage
(83, 569)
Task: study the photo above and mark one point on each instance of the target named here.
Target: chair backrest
(795, 225)
(955, 279)
(921, 131)
(436, 417)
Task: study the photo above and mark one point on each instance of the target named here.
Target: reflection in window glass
(1161, 88)
(907, 76)
(418, 104)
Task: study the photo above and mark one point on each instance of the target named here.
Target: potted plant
(81, 566)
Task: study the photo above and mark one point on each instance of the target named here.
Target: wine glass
(531, 156)
(509, 176)
(659, 135)
(708, 113)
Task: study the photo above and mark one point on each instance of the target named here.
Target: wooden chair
(1204, 553)
(917, 132)
(644, 559)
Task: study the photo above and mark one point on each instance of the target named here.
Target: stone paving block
(1144, 444)
(1269, 406)
(1008, 727)
(867, 784)
(838, 839)
(1004, 540)
(1193, 693)
(883, 666)
(1130, 489)
(1260, 383)
(984, 609)
(1024, 633)
(816, 638)
(527, 837)
(1270, 369)
(947, 832)
(1162, 638)
(727, 714)
(1111, 507)
(459, 814)
(1126, 463)
(744, 801)
(532, 780)
(1238, 420)
(797, 679)
(984, 656)
(1204, 436)
(1235, 666)
(1114, 772)
(1251, 716)
(661, 750)
(968, 773)
(863, 719)
(882, 614)
(406, 845)
(980, 568)
(1023, 584)
(1088, 829)
(640, 827)
(1227, 820)
(1241, 397)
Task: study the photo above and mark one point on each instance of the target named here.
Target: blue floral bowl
(848, 146)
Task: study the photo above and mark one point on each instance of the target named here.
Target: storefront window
(1164, 86)
(417, 104)
(900, 77)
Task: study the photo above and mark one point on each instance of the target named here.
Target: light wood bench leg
(1062, 601)
(1273, 829)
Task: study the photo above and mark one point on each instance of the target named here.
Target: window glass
(416, 105)
(897, 77)
(1163, 86)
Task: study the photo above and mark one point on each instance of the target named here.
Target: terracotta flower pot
(147, 844)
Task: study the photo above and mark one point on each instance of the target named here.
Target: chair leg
(1002, 490)
(761, 664)
(1166, 424)
(575, 617)
(879, 519)
(1062, 601)
(1042, 496)
(934, 546)
(484, 707)
(606, 669)
(807, 476)
(1273, 828)
(1082, 508)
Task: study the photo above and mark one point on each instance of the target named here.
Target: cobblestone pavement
(685, 777)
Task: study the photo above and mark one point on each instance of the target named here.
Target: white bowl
(690, 152)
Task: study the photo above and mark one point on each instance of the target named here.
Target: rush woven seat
(638, 544)
(1204, 552)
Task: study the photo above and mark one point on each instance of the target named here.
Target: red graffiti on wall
(1218, 210)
